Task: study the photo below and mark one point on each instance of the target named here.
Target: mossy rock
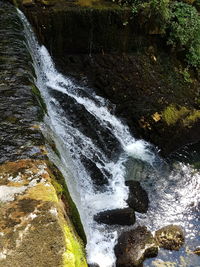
(35, 228)
(170, 237)
(174, 113)
(59, 184)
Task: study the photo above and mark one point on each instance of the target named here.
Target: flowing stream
(96, 153)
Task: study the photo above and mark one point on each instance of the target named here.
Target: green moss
(39, 99)
(60, 186)
(43, 193)
(192, 118)
(172, 114)
(74, 255)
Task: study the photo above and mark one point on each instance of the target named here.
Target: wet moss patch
(173, 114)
(60, 185)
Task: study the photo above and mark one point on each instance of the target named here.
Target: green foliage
(184, 31)
(158, 11)
(186, 75)
(178, 22)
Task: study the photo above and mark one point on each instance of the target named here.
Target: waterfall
(94, 148)
(74, 145)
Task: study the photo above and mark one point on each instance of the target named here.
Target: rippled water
(97, 153)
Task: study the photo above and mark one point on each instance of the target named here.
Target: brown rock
(170, 237)
(134, 246)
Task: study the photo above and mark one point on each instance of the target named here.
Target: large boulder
(118, 216)
(138, 197)
(134, 246)
(170, 237)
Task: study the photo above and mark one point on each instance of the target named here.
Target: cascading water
(95, 149)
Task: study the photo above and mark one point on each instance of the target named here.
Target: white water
(170, 198)
(72, 144)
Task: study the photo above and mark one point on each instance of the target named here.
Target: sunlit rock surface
(34, 227)
(170, 237)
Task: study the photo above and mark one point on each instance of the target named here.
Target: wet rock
(85, 122)
(170, 237)
(20, 114)
(138, 197)
(93, 265)
(197, 251)
(118, 216)
(96, 175)
(134, 246)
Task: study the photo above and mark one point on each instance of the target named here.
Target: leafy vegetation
(185, 31)
(178, 22)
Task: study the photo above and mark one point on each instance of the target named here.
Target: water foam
(72, 144)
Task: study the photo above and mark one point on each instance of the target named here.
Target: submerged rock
(35, 230)
(134, 246)
(118, 216)
(138, 197)
(98, 178)
(170, 237)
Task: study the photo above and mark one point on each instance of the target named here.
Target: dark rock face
(93, 265)
(96, 175)
(142, 90)
(119, 216)
(20, 113)
(134, 246)
(85, 123)
(138, 198)
(76, 28)
(170, 237)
